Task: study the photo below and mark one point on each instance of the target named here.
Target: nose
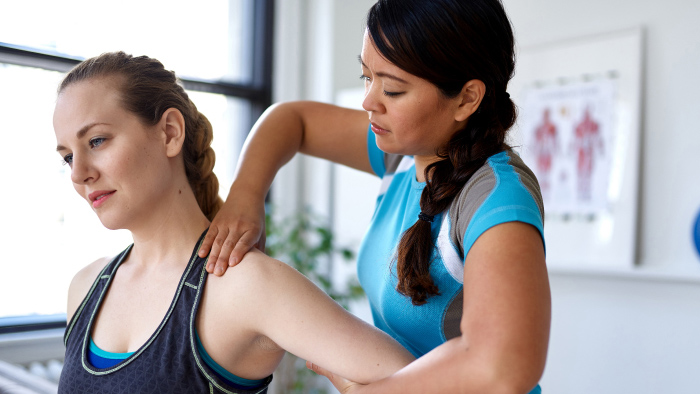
(82, 172)
(372, 101)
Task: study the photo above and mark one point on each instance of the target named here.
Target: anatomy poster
(578, 129)
(569, 141)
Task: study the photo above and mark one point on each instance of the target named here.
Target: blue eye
(67, 159)
(364, 77)
(95, 142)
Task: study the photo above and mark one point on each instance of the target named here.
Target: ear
(172, 124)
(471, 95)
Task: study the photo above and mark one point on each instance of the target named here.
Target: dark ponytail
(448, 43)
(148, 90)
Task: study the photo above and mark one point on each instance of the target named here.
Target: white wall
(634, 332)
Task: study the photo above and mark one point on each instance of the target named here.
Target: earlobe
(471, 95)
(173, 124)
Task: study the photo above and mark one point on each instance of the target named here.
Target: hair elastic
(426, 218)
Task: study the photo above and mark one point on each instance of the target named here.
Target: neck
(168, 234)
(422, 162)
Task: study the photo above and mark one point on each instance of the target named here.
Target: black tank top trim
(167, 362)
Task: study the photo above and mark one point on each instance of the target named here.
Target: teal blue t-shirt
(502, 190)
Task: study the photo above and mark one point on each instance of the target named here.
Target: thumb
(343, 385)
(317, 369)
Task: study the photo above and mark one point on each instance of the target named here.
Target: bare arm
(321, 130)
(268, 298)
(505, 324)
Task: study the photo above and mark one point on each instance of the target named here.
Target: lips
(378, 129)
(100, 197)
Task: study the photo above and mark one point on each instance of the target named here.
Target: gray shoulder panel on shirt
(469, 199)
(478, 189)
(528, 179)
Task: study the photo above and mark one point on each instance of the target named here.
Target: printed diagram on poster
(569, 134)
(578, 130)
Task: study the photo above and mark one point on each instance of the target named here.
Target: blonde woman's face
(117, 164)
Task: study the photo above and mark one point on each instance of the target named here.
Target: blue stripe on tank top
(230, 378)
(103, 359)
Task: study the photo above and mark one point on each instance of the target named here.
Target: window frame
(257, 91)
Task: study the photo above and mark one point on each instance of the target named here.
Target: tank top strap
(195, 282)
(77, 323)
(167, 362)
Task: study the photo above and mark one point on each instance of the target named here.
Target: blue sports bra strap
(195, 282)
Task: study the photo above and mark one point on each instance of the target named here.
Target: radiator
(39, 378)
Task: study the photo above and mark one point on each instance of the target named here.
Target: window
(221, 51)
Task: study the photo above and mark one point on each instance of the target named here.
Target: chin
(112, 223)
(392, 150)
(110, 226)
(387, 148)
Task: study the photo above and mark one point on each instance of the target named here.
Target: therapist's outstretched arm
(317, 129)
(505, 325)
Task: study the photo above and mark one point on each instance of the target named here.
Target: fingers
(216, 251)
(341, 384)
(232, 233)
(261, 242)
(244, 244)
(208, 241)
(318, 369)
(227, 246)
(228, 249)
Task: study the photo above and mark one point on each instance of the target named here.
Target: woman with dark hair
(140, 154)
(453, 262)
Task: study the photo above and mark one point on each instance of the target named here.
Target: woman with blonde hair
(151, 319)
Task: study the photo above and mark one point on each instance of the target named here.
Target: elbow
(504, 387)
(507, 375)
(502, 368)
(511, 382)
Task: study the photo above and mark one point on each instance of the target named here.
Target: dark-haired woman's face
(409, 115)
(117, 164)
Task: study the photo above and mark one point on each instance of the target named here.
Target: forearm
(317, 129)
(454, 367)
(275, 138)
(365, 355)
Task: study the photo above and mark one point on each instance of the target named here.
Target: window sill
(28, 346)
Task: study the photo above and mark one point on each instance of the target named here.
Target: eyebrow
(382, 74)
(81, 133)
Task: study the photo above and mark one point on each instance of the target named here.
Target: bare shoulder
(247, 295)
(260, 282)
(254, 275)
(81, 283)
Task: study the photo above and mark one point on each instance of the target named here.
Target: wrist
(247, 191)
